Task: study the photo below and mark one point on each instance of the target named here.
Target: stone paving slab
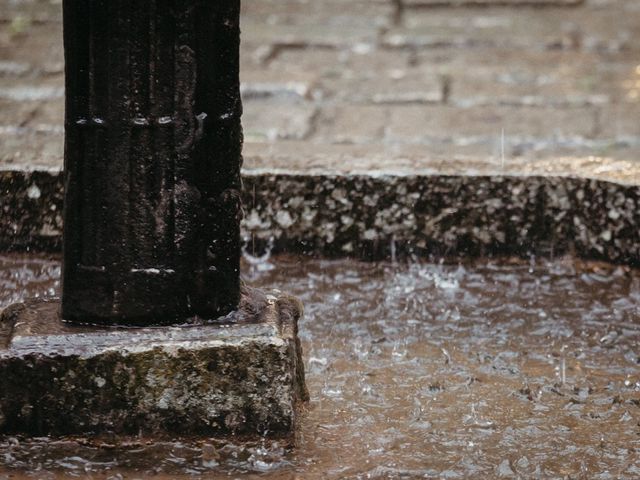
(333, 11)
(620, 120)
(386, 86)
(475, 3)
(411, 124)
(300, 158)
(534, 78)
(311, 35)
(278, 121)
(21, 12)
(588, 27)
(32, 147)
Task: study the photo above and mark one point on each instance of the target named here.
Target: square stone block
(240, 374)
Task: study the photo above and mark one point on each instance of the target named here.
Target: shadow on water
(498, 368)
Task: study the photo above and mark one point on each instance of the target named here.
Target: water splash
(417, 369)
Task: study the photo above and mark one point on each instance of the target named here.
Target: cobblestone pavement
(405, 82)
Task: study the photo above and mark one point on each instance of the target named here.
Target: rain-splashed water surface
(497, 368)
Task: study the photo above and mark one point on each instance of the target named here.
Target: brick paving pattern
(506, 81)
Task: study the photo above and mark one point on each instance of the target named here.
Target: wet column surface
(152, 160)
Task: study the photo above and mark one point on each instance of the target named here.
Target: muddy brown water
(489, 369)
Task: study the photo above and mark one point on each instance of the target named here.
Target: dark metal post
(152, 160)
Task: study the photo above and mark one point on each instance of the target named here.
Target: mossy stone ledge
(242, 374)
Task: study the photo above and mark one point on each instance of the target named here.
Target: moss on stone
(243, 378)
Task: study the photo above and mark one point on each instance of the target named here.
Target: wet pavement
(492, 369)
(408, 81)
(487, 369)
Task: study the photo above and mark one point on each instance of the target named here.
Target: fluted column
(152, 160)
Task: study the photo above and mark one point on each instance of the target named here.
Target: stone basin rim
(427, 172)
(330, 211)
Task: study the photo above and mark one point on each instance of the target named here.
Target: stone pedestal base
(242, 374)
